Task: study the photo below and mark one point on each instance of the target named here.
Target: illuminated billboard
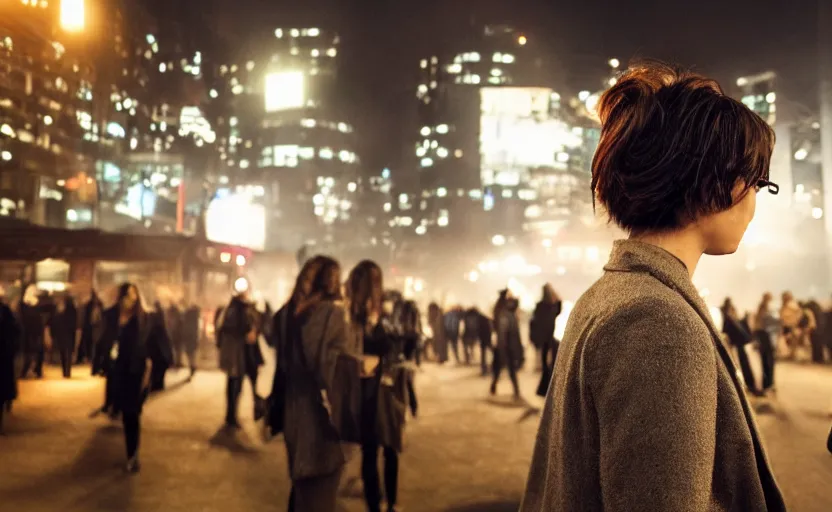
(235, 219)
(518, 132)
(285, 90)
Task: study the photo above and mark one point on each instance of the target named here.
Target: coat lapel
(632, 256)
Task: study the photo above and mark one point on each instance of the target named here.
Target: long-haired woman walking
(138, 338)
(310, 333)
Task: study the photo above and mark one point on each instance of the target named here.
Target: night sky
(385, 38)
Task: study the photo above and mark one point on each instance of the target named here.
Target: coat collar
(634, 256)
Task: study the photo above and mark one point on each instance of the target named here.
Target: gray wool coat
(311, 447)
(645, 411)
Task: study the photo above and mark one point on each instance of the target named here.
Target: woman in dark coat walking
(9, 345)
(62, 326)
(140, 341)
(310, 333)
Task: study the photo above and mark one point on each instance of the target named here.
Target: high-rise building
(104, 124)
(304, 147)
(447, 149)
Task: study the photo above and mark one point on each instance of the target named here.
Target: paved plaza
(465, 452)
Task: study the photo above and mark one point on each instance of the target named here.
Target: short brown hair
(673, 147)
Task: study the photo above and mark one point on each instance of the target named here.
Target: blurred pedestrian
(411, 333)
(384, 390)
(9, 345)
(645, 411)
(236, 330)
(91, 328)
(310, 333)
(438, 342)
(508, 353)
(62, 326)
(739, 337)
(138, 343)
(190, 333)
(542, 334)
(33, 323)
(767, 329)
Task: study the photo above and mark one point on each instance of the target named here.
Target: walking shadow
(94, 480)
(236, 442)
(492, 506)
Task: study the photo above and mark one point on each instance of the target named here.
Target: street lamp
(614, 63)
(72, 15)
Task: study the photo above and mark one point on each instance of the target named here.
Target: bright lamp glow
(236, 220)
(72, 15)
(284, 91)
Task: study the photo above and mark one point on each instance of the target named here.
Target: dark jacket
(33, 324)
(190, 327)
(323, 334)
(235, 322)
(509, 344)
(646, 411)
(9, 345)
(542, 324)
(62, 327)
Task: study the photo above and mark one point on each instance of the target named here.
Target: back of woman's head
(365, 291)
(674, 148)
(319, 279)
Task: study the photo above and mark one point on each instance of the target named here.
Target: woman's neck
(686, 244)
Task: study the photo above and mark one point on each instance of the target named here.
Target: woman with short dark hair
(645, 411)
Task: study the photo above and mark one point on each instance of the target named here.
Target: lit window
(442, 128)
(295, 32)
(308, 123)
(316, 53)
(306, 153)
(441, 192)
(498, 57)
(496, 72)
(508, 58)
(424, 63)
(507, 194)
(475, 79)
(421, 230)
(163, 67)
(454, 68)
(278, 33)
(250, 65)
(427, 162)
(387, 207)
(433, 84)
(421, 151)
(314, 32)
(425, 131)
(442, 153)
(332, 52)
(422, 89)
(458, 153)
(326, 153)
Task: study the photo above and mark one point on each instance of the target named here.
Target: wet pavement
(465, 451)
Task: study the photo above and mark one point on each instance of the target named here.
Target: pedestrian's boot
(133, 465)
(829, 441)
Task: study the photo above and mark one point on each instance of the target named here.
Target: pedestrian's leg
(39, 357)
(512, 373)
(391, 477)
(497, 368)
(66, 362)
(232, 393)
(544, 357)
(484, 358)
(369, 474)
(411, 392)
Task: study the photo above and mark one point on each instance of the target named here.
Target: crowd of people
(797, 331)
